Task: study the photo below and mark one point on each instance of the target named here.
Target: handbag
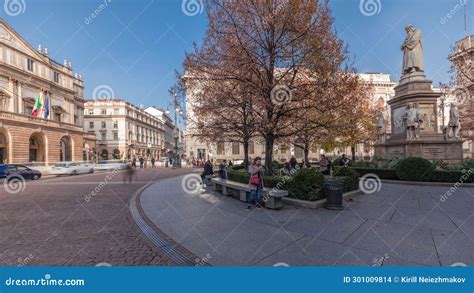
(255, 181)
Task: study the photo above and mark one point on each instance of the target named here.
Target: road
(80, 220)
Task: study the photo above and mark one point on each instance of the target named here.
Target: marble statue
(413, 121)
(454, 125)
(412, 51)
(380, 126)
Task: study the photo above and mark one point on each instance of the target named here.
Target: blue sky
(134, 46)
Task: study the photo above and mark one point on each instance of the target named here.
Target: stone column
(11, 101)
(20, 97)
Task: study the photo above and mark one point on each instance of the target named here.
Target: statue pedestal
(416, 90)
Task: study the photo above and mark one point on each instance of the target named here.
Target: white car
(111, 165)
(71, 168)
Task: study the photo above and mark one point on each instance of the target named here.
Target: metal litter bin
(333, 191)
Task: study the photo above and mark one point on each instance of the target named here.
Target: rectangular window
(57, 117)
(28, 110)
(116, 111)
(251, 148)
(115, 135)
(104, 136)
(91, 125)
(103, 111)
(56, 77)
(91, 111)
(115, 124)
(220, 148)
(30, 65)
(104, 125)
(236, 148)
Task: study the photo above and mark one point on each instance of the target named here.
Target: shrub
(307, 184)
(414, 169)
(243, 176)
(349, 178)
(238, 175)
(453, 176)
(363, 164)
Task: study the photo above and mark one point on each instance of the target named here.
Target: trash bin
(333, 191)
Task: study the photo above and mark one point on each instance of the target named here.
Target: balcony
(38, 121)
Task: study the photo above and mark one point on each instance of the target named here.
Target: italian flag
(37, 106)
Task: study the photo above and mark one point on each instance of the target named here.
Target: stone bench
(272, 197)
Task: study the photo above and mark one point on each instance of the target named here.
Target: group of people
(143, 162)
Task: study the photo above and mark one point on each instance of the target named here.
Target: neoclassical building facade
(123, 131)
(463, 59)
(56, 134)
(383, 90)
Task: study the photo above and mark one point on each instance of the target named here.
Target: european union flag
(46, 108)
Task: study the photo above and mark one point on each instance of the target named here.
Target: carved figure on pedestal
(380, 127)
(454, 125)
(412, 51)
(412, 120)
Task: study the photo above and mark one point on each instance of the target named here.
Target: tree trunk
(306, 153)
(269, 141)
(353, 152)
(246, 154)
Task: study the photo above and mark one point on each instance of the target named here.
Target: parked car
(108, 165)
(14, 171)
(71, 168)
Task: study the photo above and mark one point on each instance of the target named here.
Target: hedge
(349, 177)
(453, 176)
(307, 184)
(414, 169)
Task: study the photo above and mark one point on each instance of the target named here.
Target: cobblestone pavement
(59, 221)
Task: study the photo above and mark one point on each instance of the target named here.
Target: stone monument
(415, 129)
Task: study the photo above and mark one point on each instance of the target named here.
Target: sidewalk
(399, 225)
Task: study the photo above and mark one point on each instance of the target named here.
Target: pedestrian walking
(129, 174)
(141, 162)
(208, 171)
(134, 162)
(222, 172)
(153, 162)
(256, 171)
